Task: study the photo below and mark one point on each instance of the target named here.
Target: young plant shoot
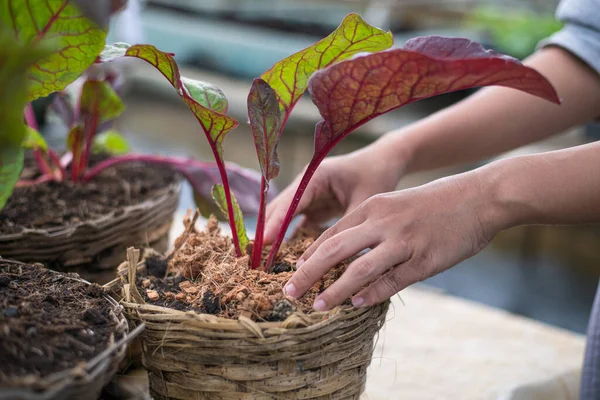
(352, 76)
(64, 29)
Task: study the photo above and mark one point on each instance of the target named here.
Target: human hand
(339, 185)
(413, 234)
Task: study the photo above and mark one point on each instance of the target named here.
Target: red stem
(230, 213)
(310, 170)
(30, 117)
(56, 161)
(89, 134)
(42, 163)
(260, 226)
(160, 160)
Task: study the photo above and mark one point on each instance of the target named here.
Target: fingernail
(299, 263)
(358, 301)
(290, 290)
(320, 305)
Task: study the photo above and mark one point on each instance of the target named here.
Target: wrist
(509, 203)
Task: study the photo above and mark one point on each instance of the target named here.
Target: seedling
(352, 77)
(76, 44)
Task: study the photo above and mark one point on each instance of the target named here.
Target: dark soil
(206, 277)
(55, 204)
(48, 322)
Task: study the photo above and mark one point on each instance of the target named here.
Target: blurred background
(546, 273)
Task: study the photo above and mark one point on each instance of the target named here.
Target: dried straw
(103, 240)
(84, 381)
(201, 356)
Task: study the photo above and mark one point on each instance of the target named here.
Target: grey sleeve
(581, 33)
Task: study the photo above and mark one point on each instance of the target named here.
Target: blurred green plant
(515, 32)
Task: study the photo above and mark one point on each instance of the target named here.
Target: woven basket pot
(200, 356)
(85, 381)
(98, 244)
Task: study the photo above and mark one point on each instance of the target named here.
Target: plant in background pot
(84, 208)
(218, 323)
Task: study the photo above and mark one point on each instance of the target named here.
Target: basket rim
(85, 371)
(173, 189)
(296, 323)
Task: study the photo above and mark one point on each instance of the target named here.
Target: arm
(417, 233)
(495, 120)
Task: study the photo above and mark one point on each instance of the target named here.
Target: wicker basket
(200, 356)
(85, 381)
(102, 241)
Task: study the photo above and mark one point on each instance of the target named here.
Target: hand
(340, 184)
(413, 234)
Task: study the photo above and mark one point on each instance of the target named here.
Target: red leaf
(265, 121)
(352, 92)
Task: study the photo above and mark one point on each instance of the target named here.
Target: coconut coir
(55, 204)
(204, 275)
(48, 322)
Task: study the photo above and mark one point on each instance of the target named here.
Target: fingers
(352, 220)
(361, 272)
(332, 251)
(389, 284)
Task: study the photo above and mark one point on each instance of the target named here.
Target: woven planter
(85, 381)
(102, 241)
(200, 356)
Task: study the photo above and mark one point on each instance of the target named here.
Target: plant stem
(230, 213)
(310, 170)
(158, 160)
(43, 164)
(260, 226)
(56, 161)
(90, 130)
(30, 117)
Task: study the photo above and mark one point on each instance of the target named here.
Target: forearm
(497, 119)
(559, 187)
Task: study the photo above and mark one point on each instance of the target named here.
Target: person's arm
(420, 232)
(495, 120)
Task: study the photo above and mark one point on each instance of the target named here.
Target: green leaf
(76, 41)
(34, 140)
(289, 77)
(75, 141)
(99, 99)
(14, 62)
(218, 193)
(265, 122)
(206, 94)
(110, 142)
(11, 164)
(206, 101)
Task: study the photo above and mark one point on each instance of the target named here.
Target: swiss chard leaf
(100, 101)
(14, 62)
(218, 193)
(265, 122)
(289, 77)
(34, 140)
(205, 100)
(206, 105)
(110, 142)
(352, 92)
(76, 40)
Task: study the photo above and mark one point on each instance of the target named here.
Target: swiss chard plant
(75, 44)
(353, 77)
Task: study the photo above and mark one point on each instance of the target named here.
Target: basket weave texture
(200, 356)
(100, 239)
(83, 382)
